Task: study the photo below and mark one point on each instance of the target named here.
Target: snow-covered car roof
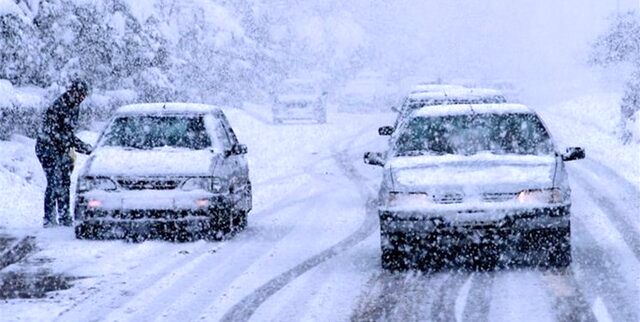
(168, 108)
(423, 88)
(455, 93)
(441, 110)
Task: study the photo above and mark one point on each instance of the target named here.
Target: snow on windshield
(514, 133)
(148, 132)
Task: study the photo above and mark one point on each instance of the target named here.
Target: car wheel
(219, 226)
(393, 258)
(277, 121)
(86, 231)
(240, 220)
(559, 254)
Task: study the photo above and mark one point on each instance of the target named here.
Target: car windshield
(149, 132)
(511, 133)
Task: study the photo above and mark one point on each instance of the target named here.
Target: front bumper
(162, 210)
(439, 228)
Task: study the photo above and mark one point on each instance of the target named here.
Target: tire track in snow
(194, 293)
(595, 272)
(605, 171)
(398, 296)
(479, 298)
(568, 301)
(616, 215)
(443, 308)
(100, 303)
(244, 309)
(381, 297)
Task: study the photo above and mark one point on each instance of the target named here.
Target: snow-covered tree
(20, 61)
(620, 45)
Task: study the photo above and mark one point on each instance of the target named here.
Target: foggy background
(233, 52)
(542, 45)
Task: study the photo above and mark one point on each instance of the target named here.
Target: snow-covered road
(311, 251)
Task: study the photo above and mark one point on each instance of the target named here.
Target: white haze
(542, 45)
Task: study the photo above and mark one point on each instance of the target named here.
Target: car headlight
(554, 195)
(214, 184)
(396, 199)
(87, 184)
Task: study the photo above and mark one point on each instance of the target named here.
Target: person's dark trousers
(57, 168)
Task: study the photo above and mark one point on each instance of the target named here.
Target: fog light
(93, 203)
(202, 203)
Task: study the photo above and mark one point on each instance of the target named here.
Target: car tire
(393, 258)
(559, 255)
(277, 121)
(85, 231)
(240, 220)
(220, 226)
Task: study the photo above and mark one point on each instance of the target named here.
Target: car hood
(116, 161)
(483, 173)
(297, 98)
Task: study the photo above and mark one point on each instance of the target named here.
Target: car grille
(148, 184)
(449, 198)
(498, 197)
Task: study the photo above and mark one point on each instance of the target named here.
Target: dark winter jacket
(58, 125)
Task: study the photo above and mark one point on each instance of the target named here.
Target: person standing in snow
(55, 147)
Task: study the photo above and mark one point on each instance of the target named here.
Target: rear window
(149, 132)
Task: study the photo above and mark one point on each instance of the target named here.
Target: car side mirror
(374, 158)
(386, 130)
(574, 153)
(237, 149)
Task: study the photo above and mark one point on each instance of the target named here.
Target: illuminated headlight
(87, 184)
(541, 196)
(214, 184)
(396, 199)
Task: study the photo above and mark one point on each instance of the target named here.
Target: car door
(239, 176)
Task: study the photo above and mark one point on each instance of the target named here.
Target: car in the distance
(165, 169)
(300, 99)
(442, 95)
(484, 177)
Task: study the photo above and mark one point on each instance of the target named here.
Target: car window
(148, 132)
(509, 133)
